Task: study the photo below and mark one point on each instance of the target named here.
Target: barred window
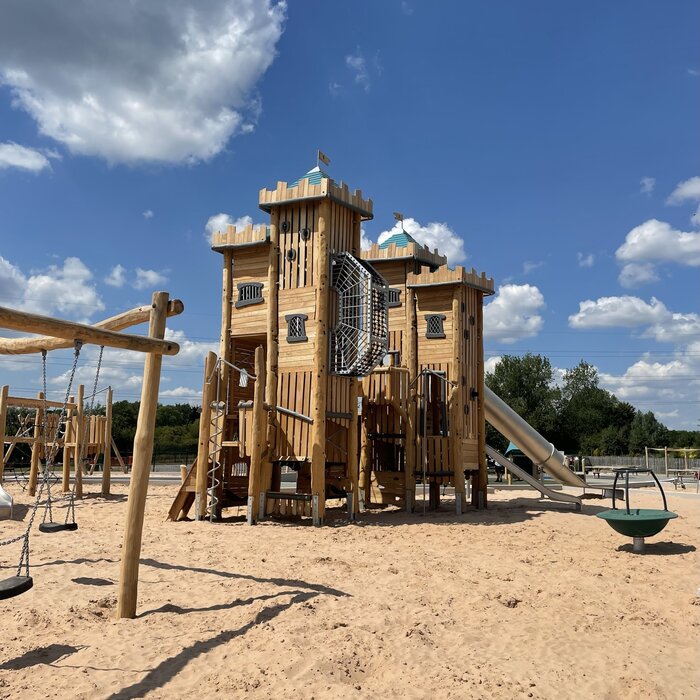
(435, 325)
(394, 297)
(296, 328)
(249, 293)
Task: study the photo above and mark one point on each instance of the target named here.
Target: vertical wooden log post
(353, 446)
(107, 461)
(67, 438)
(456, 430)
(127, 594)
(481, 478)
(320, 369)
(4, 392)
(208, 395)
(411, 404)
(272, 358)
(365, 471)
(353, 456)
(80, 438)
(36, 447)
(256, 489)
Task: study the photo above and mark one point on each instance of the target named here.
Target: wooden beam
(320, 366)
(127, 594)
(479, 497)
(208, 395)
(255, 486)
(3, 417)
(80, 438)
(36, 447)
(457, 398)
(20, 402)
(107, 461)
(69, 330)
(133, 317)
(411, 342)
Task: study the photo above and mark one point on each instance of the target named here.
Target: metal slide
(540, 451)
(522, 474)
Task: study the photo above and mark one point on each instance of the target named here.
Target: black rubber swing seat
(57, 527)
(15, 585)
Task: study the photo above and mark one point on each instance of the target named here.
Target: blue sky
(553, 145)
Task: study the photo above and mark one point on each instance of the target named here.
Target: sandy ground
(522, 600)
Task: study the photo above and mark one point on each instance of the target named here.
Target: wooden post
(80, 438)
(353, 456)
(481, 478)
(256, 489)
(272, 356)
(456, 430)
(365, 475)
(646, 457)
(3, 417)
(67, 449)
(208, 395)
(411, 405)
(143, 451)
(36, 447)
(665, 460)
(107, 462)
(320, 368)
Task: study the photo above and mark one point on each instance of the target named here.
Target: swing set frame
(58, 333)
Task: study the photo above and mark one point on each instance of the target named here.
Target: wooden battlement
(415, 251)
(304, 189)
(239, 238)
(444, 275)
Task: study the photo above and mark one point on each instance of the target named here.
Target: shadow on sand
(44, 655)
(663, 549)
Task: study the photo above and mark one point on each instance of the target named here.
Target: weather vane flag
(322, 158)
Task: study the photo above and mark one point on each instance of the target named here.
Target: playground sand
(518, 601)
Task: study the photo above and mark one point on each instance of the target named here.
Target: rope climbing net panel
(360, 338)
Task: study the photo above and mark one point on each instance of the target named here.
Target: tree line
(578, 417)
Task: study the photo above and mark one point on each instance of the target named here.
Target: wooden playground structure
(85, 444)
(63, 334)
(361, 371)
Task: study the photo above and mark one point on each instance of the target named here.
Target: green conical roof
(401, 240)
(314, 176)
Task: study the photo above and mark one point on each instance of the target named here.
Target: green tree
(526, 384)
(646, 431)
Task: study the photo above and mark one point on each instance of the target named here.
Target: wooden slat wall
(250, 265)
(296, 301)
(298, 272)
(340, 229)
(294, 393)
(435, 300)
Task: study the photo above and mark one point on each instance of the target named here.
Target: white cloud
(646, 185)
(148, 278)
(585, 260)
(434, 235)
(116, 277)
(221, 222)
(529, 266)
(491, 363)
(148, 214)
(365, 242)
(657, 241)
(636, 274)
(358, 66)
(514, 313)
(12, 155)
(59, 290)
(688, 190)
(625, 311)
(675, 328)
(163, 81)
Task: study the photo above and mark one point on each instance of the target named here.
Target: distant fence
(656, 463)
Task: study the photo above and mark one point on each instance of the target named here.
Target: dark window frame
(257, 299)
(435, 318)
(302, 318)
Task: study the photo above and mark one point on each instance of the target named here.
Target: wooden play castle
(359, 373)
